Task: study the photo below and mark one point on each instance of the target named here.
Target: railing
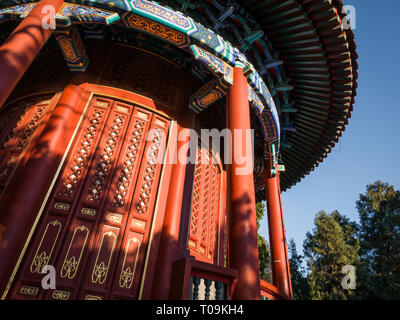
(197, 280)
(270, 292)
(206, 289)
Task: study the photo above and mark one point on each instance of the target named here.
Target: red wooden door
(205, 226)
(95, 228)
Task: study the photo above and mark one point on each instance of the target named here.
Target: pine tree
(263, 247)
(298, 274)
(379, 215)
(331, 246)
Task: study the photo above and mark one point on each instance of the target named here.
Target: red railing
(270, 292)
(187, 270)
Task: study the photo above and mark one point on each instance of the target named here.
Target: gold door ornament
(127, 274)
(61, 206)
(60, 295)
(29, 290)
(100, 269)
(71, 264)
(42, 257)
(92, 297)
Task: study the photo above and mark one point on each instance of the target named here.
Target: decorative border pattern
(215, 64)
(134, 21)
(71, 45)
(16, 12)
(163, 15)
(208, 94)
(72, 13)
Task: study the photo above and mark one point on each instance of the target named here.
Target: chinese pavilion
(84, 82)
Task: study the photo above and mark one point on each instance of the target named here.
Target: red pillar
(24, 195)
(243, 248)
(277, 236)
(22, 46)
(284, 237)
(168, 251)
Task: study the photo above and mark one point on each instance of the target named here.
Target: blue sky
(369, 148)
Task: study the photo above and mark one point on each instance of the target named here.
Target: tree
(379, 231)
(263, 247)
(331, 246)
(298, 274)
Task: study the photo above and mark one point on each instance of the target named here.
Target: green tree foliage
(331, 246)
(263, 247)
(297, 273)
(379, 231)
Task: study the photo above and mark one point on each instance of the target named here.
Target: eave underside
(320, 60)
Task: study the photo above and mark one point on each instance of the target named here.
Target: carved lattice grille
(205, 208)
(18, 123)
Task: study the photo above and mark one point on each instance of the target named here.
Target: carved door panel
(95, 228)
(204, 225)
(17, 125)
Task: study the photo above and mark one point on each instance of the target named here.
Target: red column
(277, 236)
(22, 46)
(23, 197)
(243, 246)
(284, 237)
(168, 251)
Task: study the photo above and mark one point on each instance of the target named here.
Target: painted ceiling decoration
(300, 61)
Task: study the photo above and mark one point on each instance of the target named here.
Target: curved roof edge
(320, 59)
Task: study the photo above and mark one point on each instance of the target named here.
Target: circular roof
(305, 56)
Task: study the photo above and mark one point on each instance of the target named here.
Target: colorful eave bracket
(73, 49)
(175, 28)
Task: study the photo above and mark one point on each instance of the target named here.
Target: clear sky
(369, 148)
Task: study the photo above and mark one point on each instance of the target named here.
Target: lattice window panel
(205, 208)
(18, 123)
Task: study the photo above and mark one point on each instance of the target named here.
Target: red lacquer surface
(96, 225)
